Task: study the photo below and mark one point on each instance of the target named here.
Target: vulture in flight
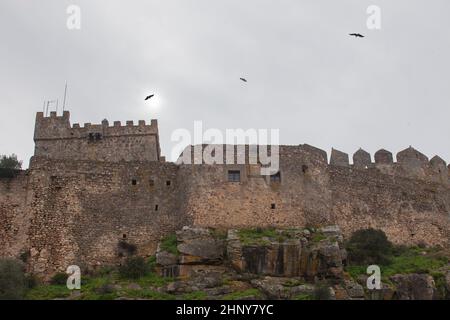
(149, 97)
(356, 35)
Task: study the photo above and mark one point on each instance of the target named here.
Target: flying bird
(149, 97)
(243, 79)
(356, 35)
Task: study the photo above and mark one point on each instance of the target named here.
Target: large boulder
(199, 246)
(414, 286)
(290, 253)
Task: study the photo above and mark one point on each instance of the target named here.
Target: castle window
(234, 176)
(156, 207)
(168, 183)
(91, 136)
(98, 136)
(305, 168)
(273, 206)
(151, 182)
(275, 177)
(134, 182)
(124, 236)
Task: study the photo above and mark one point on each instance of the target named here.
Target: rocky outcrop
(297, 263)
(414, 286)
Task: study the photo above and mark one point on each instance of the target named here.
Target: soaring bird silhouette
(243, 79)
(356, 35)
(149, 97)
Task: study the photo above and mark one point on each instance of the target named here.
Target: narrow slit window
(134, 182)
(156, 207)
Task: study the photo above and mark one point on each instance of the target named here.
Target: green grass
(317, 237)
(303, 296)
(293, 283)
(405, 261)
(48, 292)
(196, 295)
(413, 261)
(254, 293)
(169, 244)
(154, 280)
(256, 236)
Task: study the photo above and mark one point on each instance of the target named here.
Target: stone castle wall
(85, 194)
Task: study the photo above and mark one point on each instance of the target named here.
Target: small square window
(151, 182)
(234, 176)
(134, 182)
(273, 206)
(168, 183)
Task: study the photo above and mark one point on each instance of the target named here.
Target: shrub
(369, 246)
(31, 281)
(169, 244)
(133, 268)
(12, 280)
(59, 279)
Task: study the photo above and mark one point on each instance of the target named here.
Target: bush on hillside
(369, 246)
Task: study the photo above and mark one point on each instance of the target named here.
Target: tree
(10, 162)
(369, 246)
(12, 280)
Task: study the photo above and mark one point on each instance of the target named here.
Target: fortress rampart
(91, 189)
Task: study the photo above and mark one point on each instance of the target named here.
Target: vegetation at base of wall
(134, 268)
(249, 293)
(59, 279)
(169, 244)
(12, 280)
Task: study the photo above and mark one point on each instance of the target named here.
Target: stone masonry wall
(82, 210)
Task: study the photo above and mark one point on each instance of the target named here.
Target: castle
(89, 188)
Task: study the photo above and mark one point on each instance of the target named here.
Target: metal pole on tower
(65, 95)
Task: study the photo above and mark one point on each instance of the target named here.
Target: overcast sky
(306, 76)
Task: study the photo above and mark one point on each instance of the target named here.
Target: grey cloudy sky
(306, 76)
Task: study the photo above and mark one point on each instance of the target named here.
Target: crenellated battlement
(410, 163)
(56, 138)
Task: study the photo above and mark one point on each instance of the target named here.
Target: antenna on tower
(65, 95)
